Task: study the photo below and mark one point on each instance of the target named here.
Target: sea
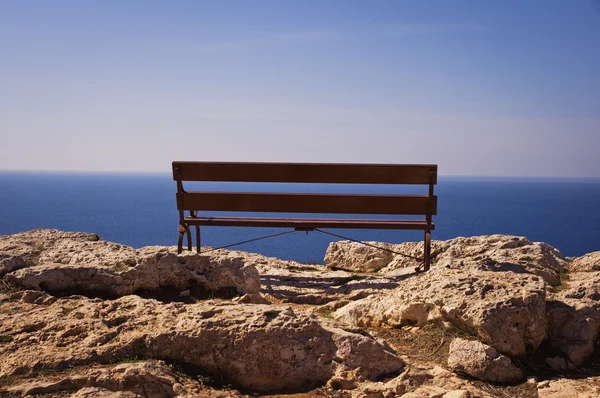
(140, 210)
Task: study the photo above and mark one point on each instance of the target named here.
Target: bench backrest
(306, 173)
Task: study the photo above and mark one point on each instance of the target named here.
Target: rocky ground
(496, 316)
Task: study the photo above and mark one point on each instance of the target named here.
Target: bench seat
(310, 223)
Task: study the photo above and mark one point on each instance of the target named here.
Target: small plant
(327, 314)
(121, 267)
(9, 287)
(205, 380)
(304, 268)
(4, 338)
(343, 281)
(128, 359)
(79, 315)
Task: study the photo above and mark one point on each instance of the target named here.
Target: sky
(481, 88)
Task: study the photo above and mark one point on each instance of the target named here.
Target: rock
(487, 252)
(258, 347)
(482, 362)
(588, 263)
(491, 253)
(356, 257)
(457, 394)
(23, 249)
(152, 274)
(287, 281)
(152, 379)
(573, 315)
(558, 364)
(561, 388)
(506, 310)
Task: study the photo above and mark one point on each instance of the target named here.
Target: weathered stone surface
(573, 315)
(506, 310)
(487, 252)
(482, 362)
(563, 388)
(424, 381)
(260, 347)
(284, 281)
(588, 263)
(491, 286)
(152, 379)
(161, 271)
(355, 257)
(23, 249)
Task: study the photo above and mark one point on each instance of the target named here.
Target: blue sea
(139, 210)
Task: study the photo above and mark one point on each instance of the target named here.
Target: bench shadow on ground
(320, 290)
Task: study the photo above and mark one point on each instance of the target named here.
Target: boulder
(150, 274)
(587, 263)
(573, 315)
(152, 379)
(24, 249)
(486, 252)
(504, 309)
(482, 362)
(356, 257)
(255, 346)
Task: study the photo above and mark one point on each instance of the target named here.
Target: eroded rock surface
(588, 263)
(563, 388)
(482, 362)
(504, 309)
(574, 317)
(522, 298)
(259, 347)
(487, 252)
(157, 272)
(63, 262)
(152, 379)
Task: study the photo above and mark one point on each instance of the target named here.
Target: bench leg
(181, 230)
(427, 251)
(189, 238)
(198, 239)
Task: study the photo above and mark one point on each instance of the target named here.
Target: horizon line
(161, 173)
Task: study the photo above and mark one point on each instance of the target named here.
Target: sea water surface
(140, 210)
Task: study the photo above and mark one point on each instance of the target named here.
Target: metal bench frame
(328, 173)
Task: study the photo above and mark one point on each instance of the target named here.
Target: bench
(324, 203)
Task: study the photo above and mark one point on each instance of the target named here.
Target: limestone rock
(587, 263)
(258, 347)
(482, 362)
(355, 257)
(147, 379)
(287, 281)
(506, 310)
(23, 249)
(573, 316)
(487, 252)
(161, 271)
(561, 388)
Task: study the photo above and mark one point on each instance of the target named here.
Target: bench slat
(308, 223)
(306, 172)
(307, 203)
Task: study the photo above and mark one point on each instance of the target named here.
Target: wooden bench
(328, 173)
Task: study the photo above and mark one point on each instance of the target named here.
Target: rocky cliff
(495, 316)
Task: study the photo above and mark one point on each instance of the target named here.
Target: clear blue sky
(505, 88)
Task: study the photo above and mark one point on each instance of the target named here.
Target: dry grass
(429, 343)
